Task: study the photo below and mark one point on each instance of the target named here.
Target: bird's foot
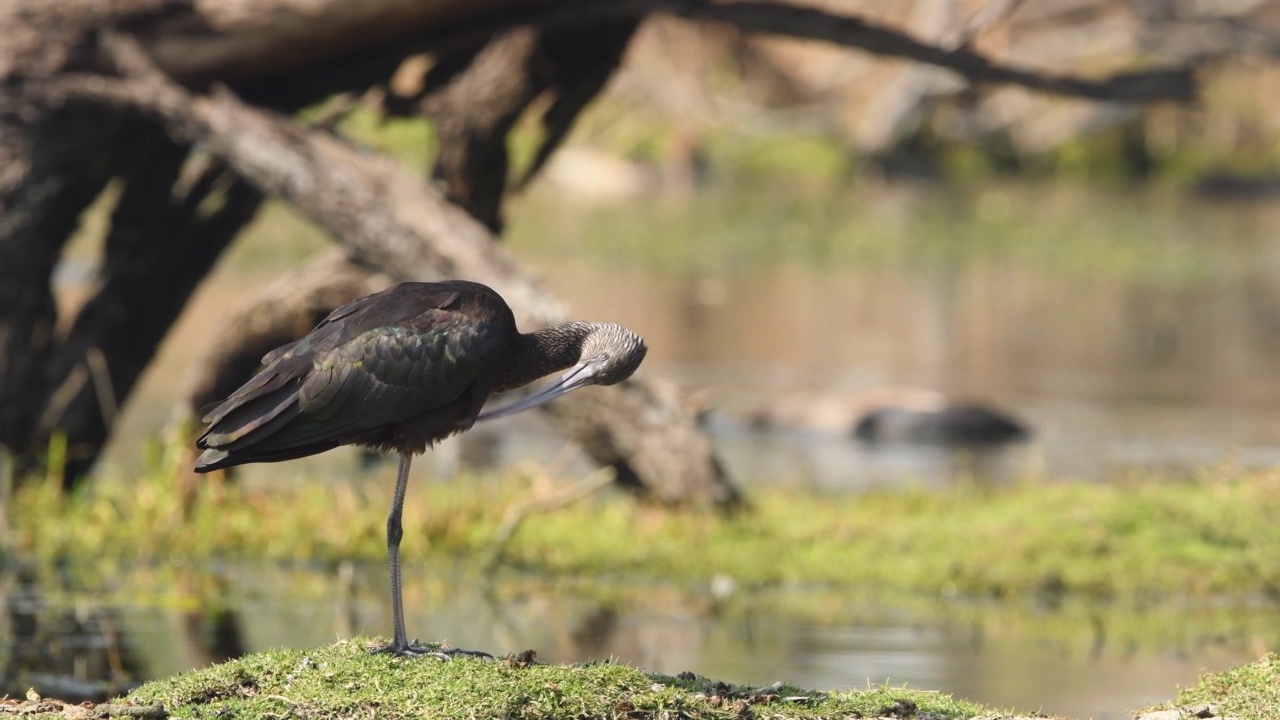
(415, 648)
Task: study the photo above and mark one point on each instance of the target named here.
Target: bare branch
(249, 51)
(773, 17)
(766, 16)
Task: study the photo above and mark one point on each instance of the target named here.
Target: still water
(1131, 330)
(1078, 661)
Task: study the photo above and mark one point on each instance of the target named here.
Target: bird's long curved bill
(576, 377)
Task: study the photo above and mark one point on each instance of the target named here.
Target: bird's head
(607, 354)
(610, 354)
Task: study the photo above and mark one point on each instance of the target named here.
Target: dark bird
(400, 370)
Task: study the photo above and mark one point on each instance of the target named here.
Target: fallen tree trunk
(478, 105)
(394, 221)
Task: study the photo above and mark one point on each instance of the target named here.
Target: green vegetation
(1248, 691)
(1137, 542)
(342, 680)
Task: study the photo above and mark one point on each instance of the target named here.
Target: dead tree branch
(144, 286)
(773, 17)
(477, 106)
(779, 18)
(359, 44)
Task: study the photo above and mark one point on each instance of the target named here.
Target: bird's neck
(541, 353)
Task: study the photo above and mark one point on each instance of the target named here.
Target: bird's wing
(287, 364)
(396, 372)
(391, 305)
(379, 359)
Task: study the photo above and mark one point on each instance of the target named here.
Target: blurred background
(805, 235)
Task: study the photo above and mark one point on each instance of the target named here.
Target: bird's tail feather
(217, 458)
(256, 419)
(268, 427)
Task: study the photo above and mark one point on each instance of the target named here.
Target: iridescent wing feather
(381, 360)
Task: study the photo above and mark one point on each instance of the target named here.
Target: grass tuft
(1248, 691)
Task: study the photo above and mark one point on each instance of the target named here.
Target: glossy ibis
(400, 370)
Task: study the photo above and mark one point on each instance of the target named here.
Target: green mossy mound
(345, 681)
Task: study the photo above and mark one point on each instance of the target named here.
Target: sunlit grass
(1144, 541)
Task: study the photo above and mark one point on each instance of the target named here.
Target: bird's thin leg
(395, 531)
(400, 644)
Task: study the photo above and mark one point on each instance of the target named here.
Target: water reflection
(1081, 359)
(1074, 661)
(76, 653)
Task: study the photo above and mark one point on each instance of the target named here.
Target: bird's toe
(420, 649)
